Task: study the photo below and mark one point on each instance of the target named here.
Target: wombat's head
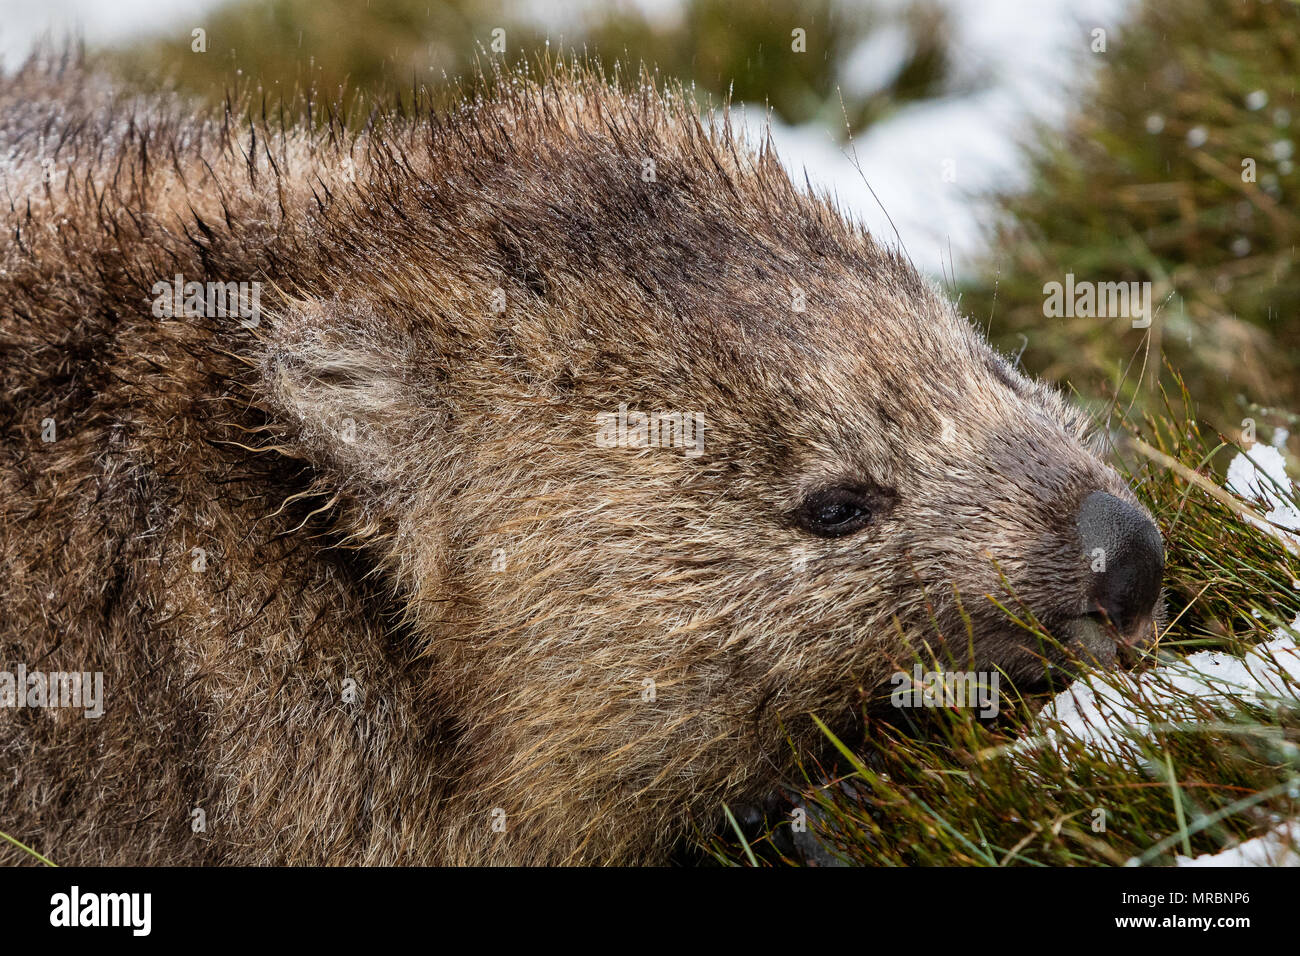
(664, 456)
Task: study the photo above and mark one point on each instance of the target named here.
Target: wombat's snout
(1126, 557)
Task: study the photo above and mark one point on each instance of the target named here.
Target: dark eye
(832, 512)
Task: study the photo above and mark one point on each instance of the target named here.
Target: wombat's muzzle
(1126, 560)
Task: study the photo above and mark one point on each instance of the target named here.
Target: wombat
(509, 483)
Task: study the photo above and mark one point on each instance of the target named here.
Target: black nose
(1126, 556)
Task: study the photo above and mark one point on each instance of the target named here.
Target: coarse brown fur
(362, 583)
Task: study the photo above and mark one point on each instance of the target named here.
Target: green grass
(26, 849)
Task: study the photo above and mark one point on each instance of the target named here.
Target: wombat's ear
(340, 377)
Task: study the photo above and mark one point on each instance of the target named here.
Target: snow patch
(1110, 712)
(1275, 848)
(1260, 475)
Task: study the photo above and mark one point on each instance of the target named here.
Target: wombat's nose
(1126, 556)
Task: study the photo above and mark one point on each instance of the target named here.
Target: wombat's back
(139, 537)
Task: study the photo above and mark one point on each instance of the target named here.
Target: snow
(1275, 848)
(1260, 475)
(877, 60)
(1109, 712)
(1024, 61)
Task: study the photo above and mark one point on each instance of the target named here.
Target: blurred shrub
(1149, 182)
(738, 46)
(745, 48)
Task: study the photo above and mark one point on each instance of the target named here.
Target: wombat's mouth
(1095, 639)
(1087, 640)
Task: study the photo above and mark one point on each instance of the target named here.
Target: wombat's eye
(833, 512)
